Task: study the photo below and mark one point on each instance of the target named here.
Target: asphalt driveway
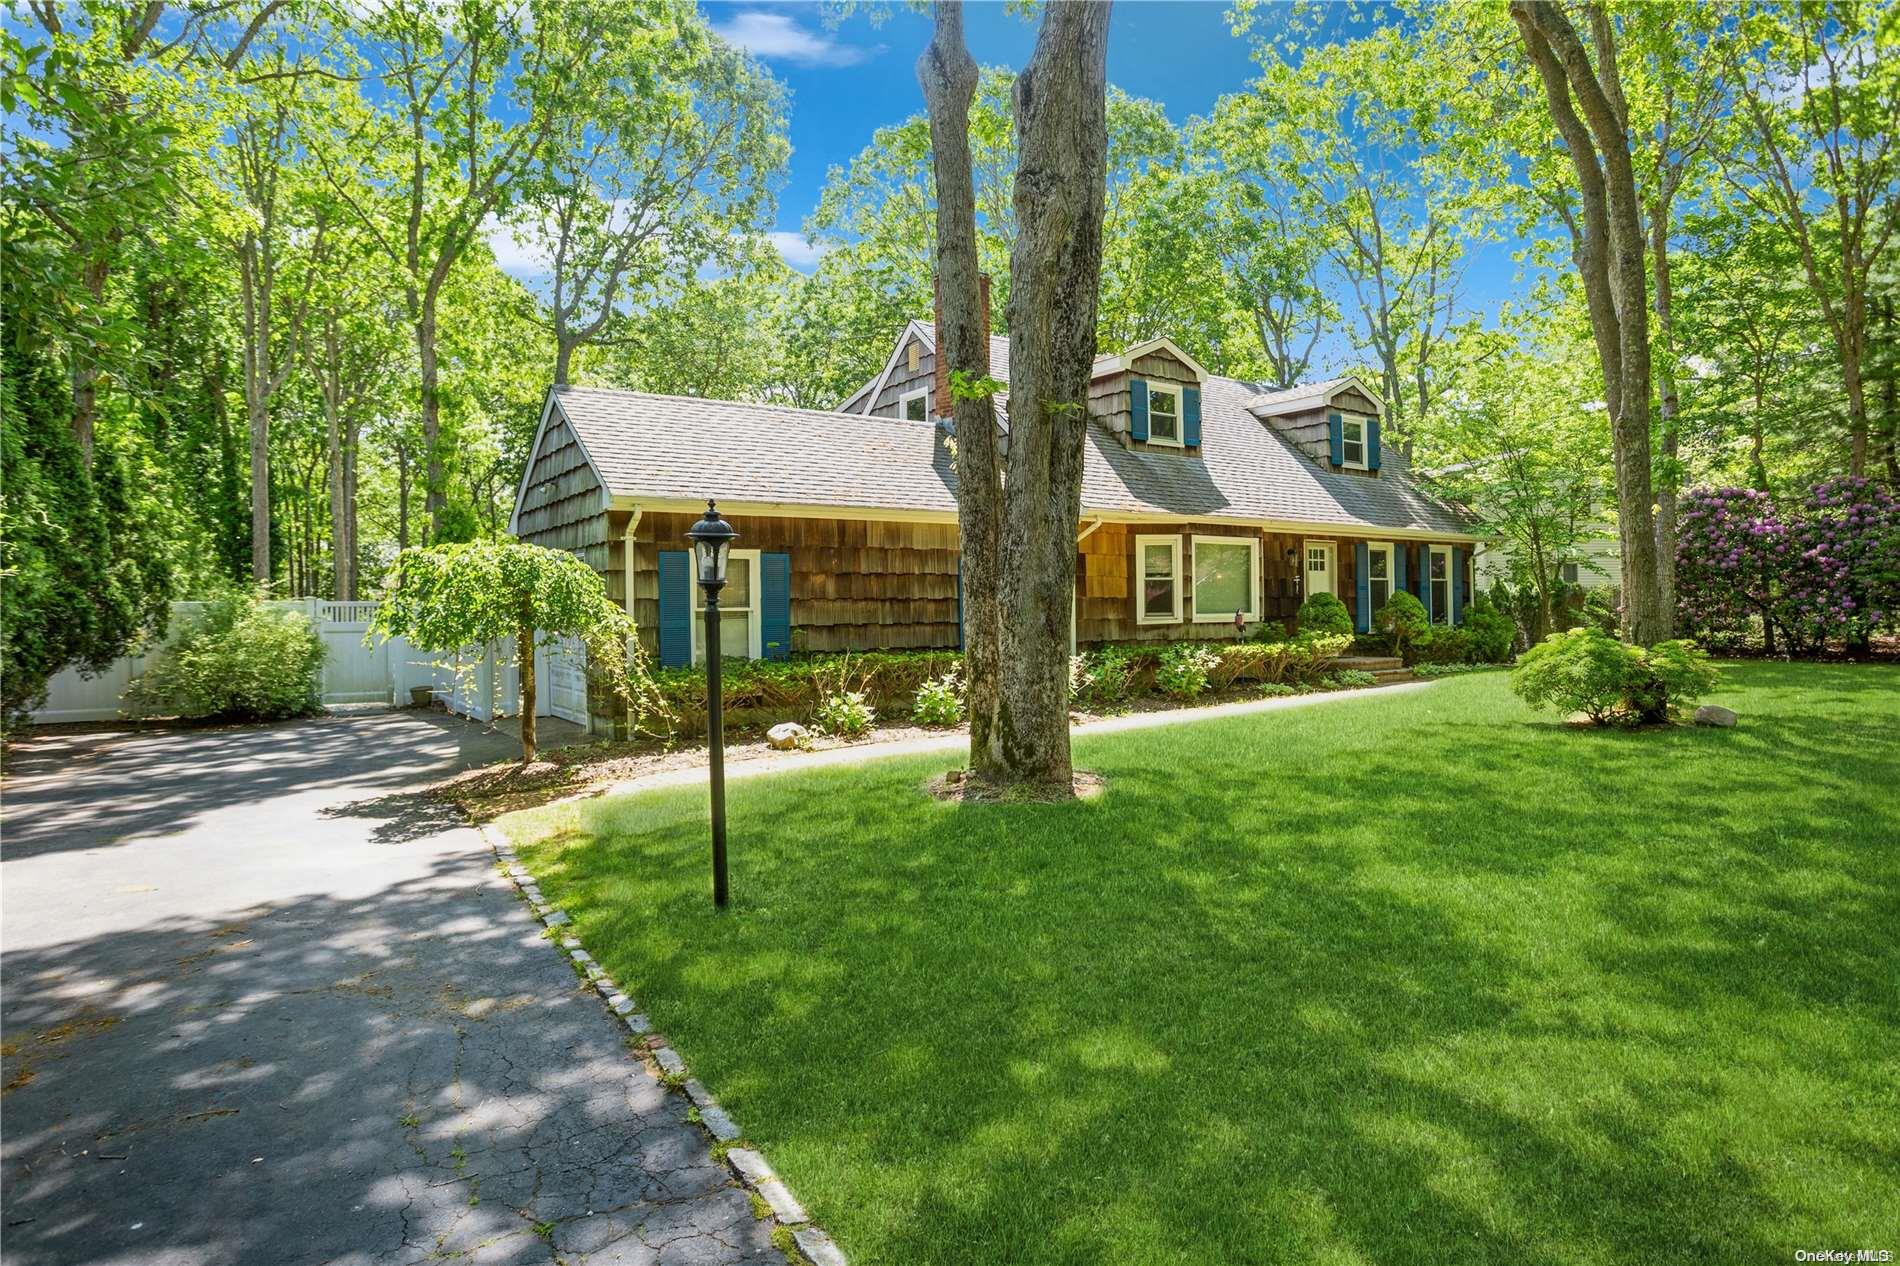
(263, 1003)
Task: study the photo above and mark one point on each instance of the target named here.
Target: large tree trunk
(258, 416)
(1668, 441)
(432, 484)
(564, 355)
(948, 75)
(1055, 268)
(1610, 263)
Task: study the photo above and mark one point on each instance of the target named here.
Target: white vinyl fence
(477, 681)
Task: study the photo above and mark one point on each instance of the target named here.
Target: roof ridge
(738, 404)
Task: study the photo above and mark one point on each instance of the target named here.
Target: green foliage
(845, 713)
(241, 660)
(84, 558)
(939, 701)
(1403, 620)
(1586, 670)
(1492, 633)
(1429, 671)
(1276, 690)
(764, 692)
(1323, 613)
(1184, 669)
(1349, 679)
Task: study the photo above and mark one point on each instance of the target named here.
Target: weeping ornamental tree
(450, 596)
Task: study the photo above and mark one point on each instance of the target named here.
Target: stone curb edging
(751, 1168)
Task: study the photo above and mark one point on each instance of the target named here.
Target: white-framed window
(1379, 573)
(1157, 579)
(1439, 575)
(738, 610)
(1226, 578)
(914, 405)
(1164, 415)
(1319, 568)
(1352, 432)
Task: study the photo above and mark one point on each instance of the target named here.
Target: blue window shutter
(1191, 417)
(1372, 443)
(1398, 566)
(1138, 408)
(676, 608)
(1362, 577)
(775, 605)
(1457, 585)
(959, 602)
(1336, 432)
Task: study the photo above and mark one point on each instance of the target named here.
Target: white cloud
(798, 252)
(777, 37)
(513, 255)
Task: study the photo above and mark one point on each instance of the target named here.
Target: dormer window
(1353, 435)
(1164, 416)
(915, 405)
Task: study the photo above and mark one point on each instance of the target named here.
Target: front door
(1319, 569)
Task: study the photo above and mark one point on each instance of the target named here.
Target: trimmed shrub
(241, 661)
(765, 692)
(1586, 670)
(1429, 671)
(1403, 621)
(1348, 679)
(1275, 689)
(1323, 613)
(1492, 632)
(845, 713)
(939, 701)
(1184, 670)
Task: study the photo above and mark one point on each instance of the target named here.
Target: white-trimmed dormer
(1149, 397)
(1335, 422)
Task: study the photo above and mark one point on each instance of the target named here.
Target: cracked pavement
(262, 1003)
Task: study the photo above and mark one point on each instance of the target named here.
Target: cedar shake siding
(852, 513)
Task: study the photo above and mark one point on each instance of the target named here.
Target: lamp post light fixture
(712, 539)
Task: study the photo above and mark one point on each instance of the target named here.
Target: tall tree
(1821, 119)
(1018, 516)
(660, 163)
(1610, 261)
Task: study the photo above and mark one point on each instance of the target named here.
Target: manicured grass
(1424, 978)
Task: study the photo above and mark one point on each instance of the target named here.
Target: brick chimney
(940, 381)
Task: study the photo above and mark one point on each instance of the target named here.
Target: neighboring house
(1597, 563)
(1203, 498)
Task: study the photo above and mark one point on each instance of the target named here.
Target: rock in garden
(1710, 714)
(786, 736)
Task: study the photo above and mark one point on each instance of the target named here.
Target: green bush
(1349, 679)
(845, 713)
(1323, 613)
(1107, 676)
(1492, 632)
(1275, 689)
(1586, 670)
(1403, 621)
(939, 701)
(240, 661)
(765, 692)
(1451, 670)
(1184, 670)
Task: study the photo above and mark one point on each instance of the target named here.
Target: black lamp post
(712, 538)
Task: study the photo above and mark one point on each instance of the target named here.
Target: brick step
(1369, 663)
(1392, 676)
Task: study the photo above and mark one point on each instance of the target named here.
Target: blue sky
(848, 81)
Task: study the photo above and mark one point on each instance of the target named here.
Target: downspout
(626, 599)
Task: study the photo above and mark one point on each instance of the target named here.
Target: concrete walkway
(959, 741)
(263, 1003)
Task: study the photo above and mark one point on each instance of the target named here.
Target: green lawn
(1424, 978)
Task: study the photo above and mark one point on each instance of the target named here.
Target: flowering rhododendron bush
(1820, 570)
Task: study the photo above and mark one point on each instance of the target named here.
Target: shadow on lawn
(1433, 997)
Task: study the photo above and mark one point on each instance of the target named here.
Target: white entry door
(1319, 569)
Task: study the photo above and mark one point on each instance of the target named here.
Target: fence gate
(567, 680)
(352, 672)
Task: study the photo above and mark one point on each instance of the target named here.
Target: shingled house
(1202, 498)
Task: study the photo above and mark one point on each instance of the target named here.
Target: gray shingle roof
(672, 447)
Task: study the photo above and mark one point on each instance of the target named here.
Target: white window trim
(1173, 542)
(1391, 575)
(1180, 409)
(909, 396)
(1332, 567)
(755, 635)
(1451, 581)
(1344, 461)
(1252, 612)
